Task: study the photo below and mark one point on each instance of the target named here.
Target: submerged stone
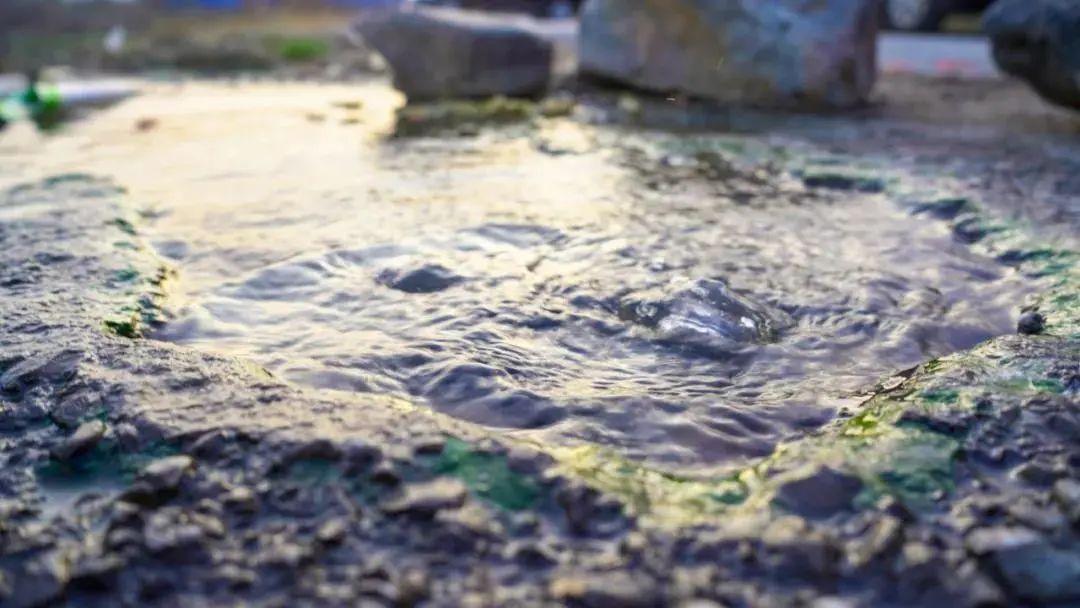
(425, 279)
(705, 314)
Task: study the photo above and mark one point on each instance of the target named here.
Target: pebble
(429, 497)
(81, 441)
(609, 590)
(165, 475)
(332, 531)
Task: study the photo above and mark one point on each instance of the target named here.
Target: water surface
(567, 284)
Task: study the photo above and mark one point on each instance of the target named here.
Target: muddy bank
(138, 471)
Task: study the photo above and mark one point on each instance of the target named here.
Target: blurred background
(310, 36)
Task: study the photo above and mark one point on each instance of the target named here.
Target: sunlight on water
(569, 283)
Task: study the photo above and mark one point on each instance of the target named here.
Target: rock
(333, 531)
(1029, 566)
(783, 53)
(429, 498)
(704, 314)
(606, 590)
(438, 52)
(429, 278)
(1031, 323)
(1067, 494)
(1038, 41)
(81, 441)
(159, 480)
(42, 582)
(831, 179)
(881, 539)
(820, 494)
(165, 474)
(97, 572)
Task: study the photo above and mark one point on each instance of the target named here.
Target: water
(578, 284)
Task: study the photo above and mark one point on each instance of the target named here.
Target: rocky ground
(137, 472)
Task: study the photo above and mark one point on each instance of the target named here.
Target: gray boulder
(1038, 41)
(777, 53)
(439, 53)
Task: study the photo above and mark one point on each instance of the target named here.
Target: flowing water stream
(678, 298)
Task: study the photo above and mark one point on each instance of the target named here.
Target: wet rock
(97, 572)
(159, 480)
(333, 531)
(81, 441)
(705, 313)
(942, 209)
(971, 229)
(1027, 565)
(241, 499)
(1067, 495)
(1036, 41)
(165, 474)
(796, 551)
(413, 586)
(1031, 323)
(823, 492)
(425, 279)
(883, 538)
(438, 53)
(168, 530)
(1036, 474)
(588, 512)
(609, 590)
(429, 497)
(42, 582)
(768, 53)
(839, 180)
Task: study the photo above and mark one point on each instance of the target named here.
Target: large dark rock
(1039, 41)
(780, 53)
(438, 53)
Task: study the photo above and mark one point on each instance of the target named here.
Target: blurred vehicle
(536, 8)
(925, 15)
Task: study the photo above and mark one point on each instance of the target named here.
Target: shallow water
(574, 284)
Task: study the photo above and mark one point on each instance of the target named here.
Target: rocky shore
(135, 471)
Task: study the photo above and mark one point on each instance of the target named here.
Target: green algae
(487, 475)
(302, 50)
(939, 396)
(105, 468)
(145, 280)
(661, 497)
(123, 225)
(461, 116)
